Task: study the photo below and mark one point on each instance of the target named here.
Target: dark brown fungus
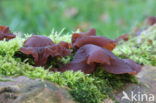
(91, 32)
(120, 66)
(124, 37)
(80, 60)
(5, 33)
(133, 65)
(89, 55)
(38, 41)
(65, 44)
(96, 40)
(80, 39)
(41, 47)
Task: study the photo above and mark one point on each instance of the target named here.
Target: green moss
(141, 49)
(118, 80)
(9, 48)
(84, 88)
(58, 36)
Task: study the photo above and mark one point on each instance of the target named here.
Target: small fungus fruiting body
(41, 47)
(5, 33)
(91, 32)
(80, 39)
(124, 37)
(38, 41)
(93, 50)
(96, 40)
(89, 55)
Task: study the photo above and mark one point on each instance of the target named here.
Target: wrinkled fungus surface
(41, 47)
(89, 55)
(89, 37)
(91, 32)
(120, 66)
(5, 33)
(96, 40)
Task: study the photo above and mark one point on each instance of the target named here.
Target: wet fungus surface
(80, 39)
(41, 47)
(91, 32)
(90, 51)
(5, 33)
(88, 56)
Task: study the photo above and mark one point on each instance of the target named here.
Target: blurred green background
(110, 17)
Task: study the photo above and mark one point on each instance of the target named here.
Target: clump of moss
(58, 36)
(119, 80)
(84, 88)
(9, 48)
(141, 49)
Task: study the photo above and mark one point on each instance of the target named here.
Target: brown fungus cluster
(90, 51)
(88, 56)
(5, 33)
(41, 47)
(80, 39)
(95, 50)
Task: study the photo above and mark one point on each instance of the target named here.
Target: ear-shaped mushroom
(88, 55)
(41, 47)
(124, 37)
(91, 32)
(79, 62)
(96, 40)
(133, 65)
(122, 66)
(6, 33)
(80, 39)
